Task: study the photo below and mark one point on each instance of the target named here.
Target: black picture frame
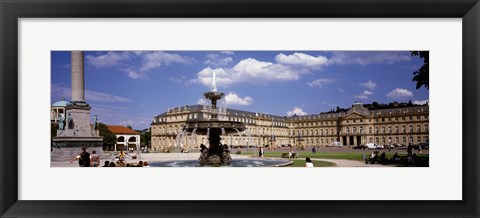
(11, 11)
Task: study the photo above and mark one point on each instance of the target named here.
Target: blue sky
(131, 87)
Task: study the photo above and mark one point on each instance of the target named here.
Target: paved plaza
(155, 157)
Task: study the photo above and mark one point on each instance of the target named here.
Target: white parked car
(335, 144)
(373, 146)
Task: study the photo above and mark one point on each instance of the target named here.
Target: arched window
(426, 128)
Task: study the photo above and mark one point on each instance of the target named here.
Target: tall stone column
(78, 86)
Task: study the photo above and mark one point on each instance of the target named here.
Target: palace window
(354, 130)
(426, 128)
(383, 129)
(376, 130)
(389, 129)
(396, 129)
(361, 129)
(411, 128)
(370, 130)
(404, 129)
(418, 128)
(348, 130)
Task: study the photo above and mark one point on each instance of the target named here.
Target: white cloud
(233, 99)
(422, 102)
(217, 60)
(153, 60)
(399, 93)
(341, 90)
(227, 52)
(127, 61)
(365, 58)
(135, 75)
(301, 59)
(296, 111)
(93, 96)
(109, 59)
(364, 94)
(249, 71)
(369, 85)
(320, 83)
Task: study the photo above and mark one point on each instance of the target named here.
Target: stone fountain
(214, 128)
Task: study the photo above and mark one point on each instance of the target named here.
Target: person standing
(83, 158)
(95, 159)
(409, 149)
(314, 150)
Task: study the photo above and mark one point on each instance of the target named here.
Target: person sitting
(373, 157)
(396, 158)
(383, 158)
(106, 163)
(308, 162)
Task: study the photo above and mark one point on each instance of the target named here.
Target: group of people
(86, 160)
(382, 158)
(123, 164)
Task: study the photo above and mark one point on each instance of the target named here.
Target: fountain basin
(202, 126)
(234, 163)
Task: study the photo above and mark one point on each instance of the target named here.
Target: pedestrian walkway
(350, 163)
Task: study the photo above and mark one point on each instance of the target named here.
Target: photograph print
(239, 108)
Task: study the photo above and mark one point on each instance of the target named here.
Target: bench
(294, 155)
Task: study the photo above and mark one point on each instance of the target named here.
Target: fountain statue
(216, 154)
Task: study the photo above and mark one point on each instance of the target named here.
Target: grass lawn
(316, 163)
(331, 155)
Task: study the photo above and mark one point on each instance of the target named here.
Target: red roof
(122, 130)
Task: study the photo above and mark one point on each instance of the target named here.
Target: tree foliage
(421, 76)
(108, 137)
(145, 138)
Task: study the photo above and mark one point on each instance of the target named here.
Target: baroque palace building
(358, 125)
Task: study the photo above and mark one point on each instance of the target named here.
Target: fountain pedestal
(217, 154)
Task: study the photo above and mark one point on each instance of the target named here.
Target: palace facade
(358, 125)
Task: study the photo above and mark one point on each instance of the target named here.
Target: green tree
(421, 76)
(108, 137)
(145, 138)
